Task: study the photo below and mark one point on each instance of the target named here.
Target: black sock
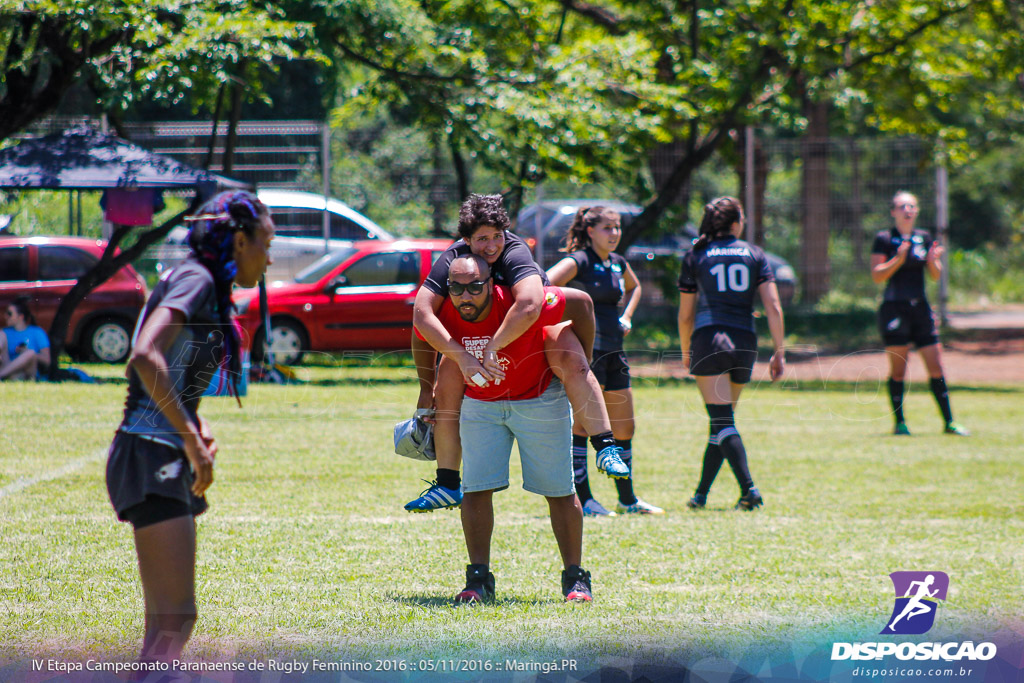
(602, 441)
(941, 394)
(579, 468)
(712, 463)
(896, 398)
(624, 487)
(731, 445)
(449, 479)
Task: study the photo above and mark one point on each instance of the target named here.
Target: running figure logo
(917, 598)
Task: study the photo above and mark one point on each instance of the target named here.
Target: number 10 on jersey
(735, 277)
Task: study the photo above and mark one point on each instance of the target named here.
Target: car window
(315, 271)
(63, 263)
(296, 222)
(13, 264)
(393, 268)
(344, 229)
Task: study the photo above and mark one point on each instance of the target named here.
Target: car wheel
(288, 342)
(108, 340)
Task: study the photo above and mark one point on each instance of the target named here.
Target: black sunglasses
(474, 288)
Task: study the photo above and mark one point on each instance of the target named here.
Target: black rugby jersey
(514, 263)
(192, 357)
(605, 282)
(725, 276)
(908, 281)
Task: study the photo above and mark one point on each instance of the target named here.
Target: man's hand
(935, 253)
(426, 402)
(470, 367)
(493, 366)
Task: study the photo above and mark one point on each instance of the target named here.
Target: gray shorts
(541, 426)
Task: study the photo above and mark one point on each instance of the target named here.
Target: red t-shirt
(527, 374)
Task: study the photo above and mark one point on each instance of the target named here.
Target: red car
(355, 298)
(46, 268)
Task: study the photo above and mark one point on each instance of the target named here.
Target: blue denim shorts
(541, 426)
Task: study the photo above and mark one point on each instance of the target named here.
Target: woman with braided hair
(161, 460)
(717, 284)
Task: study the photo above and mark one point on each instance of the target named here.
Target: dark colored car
(355, 298)
(543, 226)
(46, 268)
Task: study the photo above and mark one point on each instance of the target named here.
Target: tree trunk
(232, 137)
(857, 211)
(670, 187)
(218, 110)
(814, 261)
(756, 217)
(438, 195)
(100, 273)
(461, 170)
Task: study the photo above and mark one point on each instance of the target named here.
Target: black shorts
(903, 322)
(142, 471)
(722, 350)
(611, 369)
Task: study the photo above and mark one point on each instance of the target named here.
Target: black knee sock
(896, 398)
(712, 463)
(579, 468)
(731, 445)
(624, 487)
(602, 441)
(449, 479)
(941, 394)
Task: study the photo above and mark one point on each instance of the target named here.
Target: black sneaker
(698, 501)
(479, 585)
(750, 501)
(576, 584)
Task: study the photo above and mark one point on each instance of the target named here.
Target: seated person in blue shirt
(24, 346)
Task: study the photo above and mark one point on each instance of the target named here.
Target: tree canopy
(129, 51)
(567, 88)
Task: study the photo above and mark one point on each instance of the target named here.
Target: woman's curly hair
(482, 209)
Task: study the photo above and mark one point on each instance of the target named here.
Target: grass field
(306, 549)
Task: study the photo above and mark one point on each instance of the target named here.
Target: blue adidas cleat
(435, 497)
(609, 461)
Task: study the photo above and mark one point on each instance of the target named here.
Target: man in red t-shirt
(529, 407)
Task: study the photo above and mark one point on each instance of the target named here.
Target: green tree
(585, 89)
(131, 51)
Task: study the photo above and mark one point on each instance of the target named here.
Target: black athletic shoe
(479, 585)
(698, 501)
(750, 501)
(576, 584)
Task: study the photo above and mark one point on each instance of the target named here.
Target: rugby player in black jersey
(717, 283)
(900, 256)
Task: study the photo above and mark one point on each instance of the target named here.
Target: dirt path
(997, 361)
